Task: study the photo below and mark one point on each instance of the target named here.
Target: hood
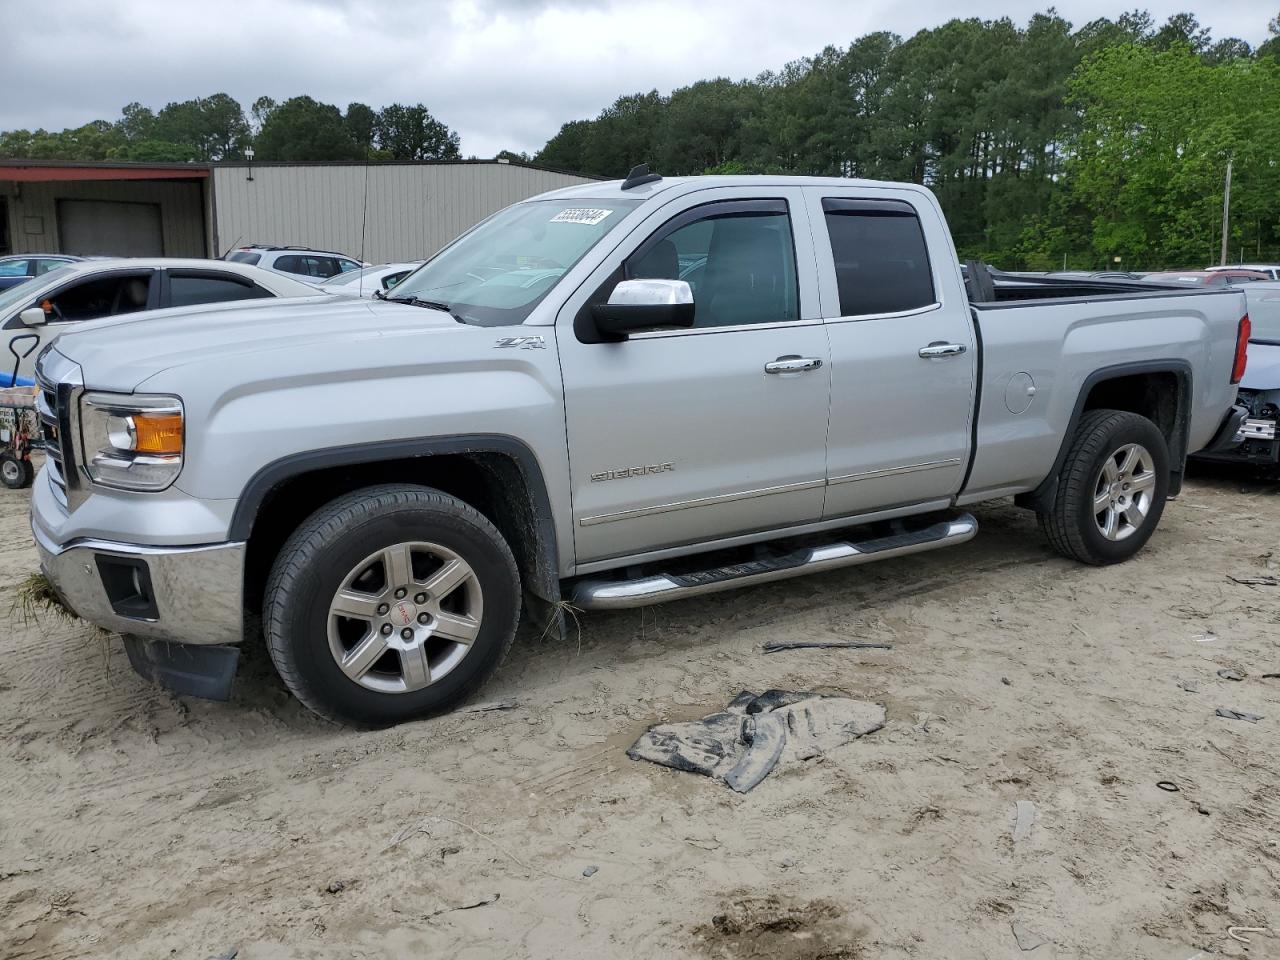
(1262, 372)
(120, 353)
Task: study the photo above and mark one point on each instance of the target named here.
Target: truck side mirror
(33, 317)
(637, 305)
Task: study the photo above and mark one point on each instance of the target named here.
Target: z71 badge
(523, 343)
(633, 472)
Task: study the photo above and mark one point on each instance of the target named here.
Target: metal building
(380, 212)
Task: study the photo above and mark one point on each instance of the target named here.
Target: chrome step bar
(600, 594)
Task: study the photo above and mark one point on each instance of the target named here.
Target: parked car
(1256, 441)
(20, 268)
(614, 394)
(33, 313)
(316, 266)
(368, 281)
(1270, 269)
(1207, 278)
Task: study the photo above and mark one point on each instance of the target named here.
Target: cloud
(503, 73)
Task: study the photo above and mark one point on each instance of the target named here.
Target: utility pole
(1226, 214)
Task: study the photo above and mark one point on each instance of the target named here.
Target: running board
(601, 594)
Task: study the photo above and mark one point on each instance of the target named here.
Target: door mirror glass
(33, 317)
(637, 305)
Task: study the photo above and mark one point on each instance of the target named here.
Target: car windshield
(351, 276)
(1264, 310)
(22, 292)
(496, 274)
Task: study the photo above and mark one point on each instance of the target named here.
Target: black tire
(313, 563)
(16, 473)
(1070, 523)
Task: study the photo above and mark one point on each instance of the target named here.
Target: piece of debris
(1006, 681)
(1202, 809)
(1234, 933)
(466, 906)
(449, 851)
(1024, 815)
(774, 646)
(1256, 581)
(1027, 939)
(1189, 686)
(1271, 676)
(1168, 786)
(1237, 715)
(1231, 674)
(1205, 638)
(235, 952)
(743, 744)
(336, 886)
(510, 703)
(591, 871)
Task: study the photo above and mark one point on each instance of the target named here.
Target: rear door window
(881, 260)
(244, 256)
(187, 289)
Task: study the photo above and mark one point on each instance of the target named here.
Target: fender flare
(1043, 495)
(272, 475)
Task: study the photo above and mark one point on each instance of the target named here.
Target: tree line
(218, 128)
(1047, 145)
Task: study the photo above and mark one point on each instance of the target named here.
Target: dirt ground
(135, 824)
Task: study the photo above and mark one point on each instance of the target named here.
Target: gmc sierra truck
(610, 395)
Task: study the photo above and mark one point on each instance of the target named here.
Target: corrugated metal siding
(413, 209)
(33, 212)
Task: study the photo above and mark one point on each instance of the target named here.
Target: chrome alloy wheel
(405, 617)
(1123, 491)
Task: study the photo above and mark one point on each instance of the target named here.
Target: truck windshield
(496, 274)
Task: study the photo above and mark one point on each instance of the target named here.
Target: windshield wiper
(429, 304)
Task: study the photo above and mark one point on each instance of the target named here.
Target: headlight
(131, 442)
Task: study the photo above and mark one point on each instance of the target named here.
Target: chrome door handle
(940, 349)
(792, 364)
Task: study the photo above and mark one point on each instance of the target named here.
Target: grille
(57, 451)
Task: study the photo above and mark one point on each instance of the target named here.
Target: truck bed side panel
(1055, 348)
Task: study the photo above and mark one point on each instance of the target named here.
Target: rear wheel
(390, 604)
(1112, 489)
(15, 472)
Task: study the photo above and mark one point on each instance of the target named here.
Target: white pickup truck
(615, 394)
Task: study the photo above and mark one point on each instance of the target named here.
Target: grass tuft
(35, 598)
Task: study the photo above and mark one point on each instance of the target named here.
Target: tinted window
(308, 265)
(391, 279)
(737, 258)
(882, 264)
(243, 256)
(14, 268)
(101, 297)
(187, 290)
(345, 266)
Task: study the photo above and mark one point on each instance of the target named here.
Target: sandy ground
(134, 824)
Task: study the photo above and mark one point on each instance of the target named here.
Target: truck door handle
(940, 348)
(792, 363)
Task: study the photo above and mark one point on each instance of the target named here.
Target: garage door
(110, 228)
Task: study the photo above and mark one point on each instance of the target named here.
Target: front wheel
(1112, 488)
(390, 604)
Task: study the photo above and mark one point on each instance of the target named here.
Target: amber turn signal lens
(158, 433)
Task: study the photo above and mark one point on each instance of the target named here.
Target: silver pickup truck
(611, 395)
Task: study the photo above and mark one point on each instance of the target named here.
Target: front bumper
(184, 594)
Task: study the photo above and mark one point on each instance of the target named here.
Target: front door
(903, 352)
(687, 436)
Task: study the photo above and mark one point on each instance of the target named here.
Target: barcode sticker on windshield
(588, 216)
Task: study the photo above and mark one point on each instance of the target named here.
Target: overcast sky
(503, 73)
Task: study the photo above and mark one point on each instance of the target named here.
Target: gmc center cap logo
(402, 613)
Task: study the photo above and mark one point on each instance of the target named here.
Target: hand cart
(19, 423)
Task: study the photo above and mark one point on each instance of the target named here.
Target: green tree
(214, 126)
(302, 128)
(412, 133)
(362, 124)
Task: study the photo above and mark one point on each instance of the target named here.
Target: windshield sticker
(589, 216)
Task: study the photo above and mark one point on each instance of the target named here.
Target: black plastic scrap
(777, 646)
(742, 744)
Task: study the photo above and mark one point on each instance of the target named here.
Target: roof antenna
(639, 176)
(364, 221)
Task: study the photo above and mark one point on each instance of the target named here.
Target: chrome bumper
(184, 594)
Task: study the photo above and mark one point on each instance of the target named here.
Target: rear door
(686, 436)
(903, 352)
